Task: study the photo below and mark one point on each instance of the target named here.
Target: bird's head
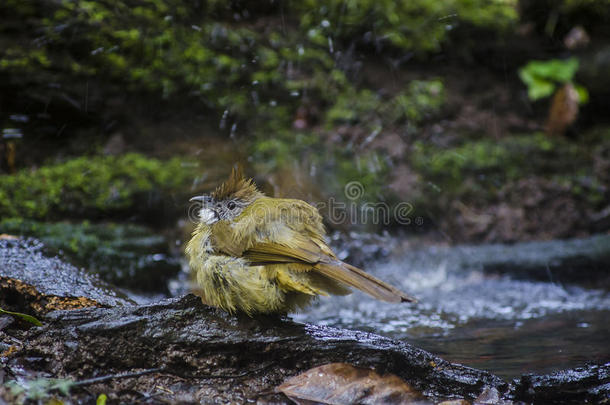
(228, 200)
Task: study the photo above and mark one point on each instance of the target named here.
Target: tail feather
(354, 277)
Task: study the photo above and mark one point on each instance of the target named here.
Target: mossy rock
(493, 162)
(125, 255)
(98, 186)
(480, 172)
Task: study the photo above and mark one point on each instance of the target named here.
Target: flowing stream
(489, 321)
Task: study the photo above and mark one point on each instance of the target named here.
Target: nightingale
(257, 254)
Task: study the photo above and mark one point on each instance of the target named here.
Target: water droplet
(12, 133)
(434, 187)
(19, 117)
(223, 120)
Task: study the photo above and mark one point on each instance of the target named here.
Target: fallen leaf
(563, 111)
(341, 383)
(491, 396)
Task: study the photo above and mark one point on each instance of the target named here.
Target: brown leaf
(340, 383)
(563, 111)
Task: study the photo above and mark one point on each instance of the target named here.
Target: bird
(255, 254)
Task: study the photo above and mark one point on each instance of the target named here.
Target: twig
(109, 377)
(223, 376)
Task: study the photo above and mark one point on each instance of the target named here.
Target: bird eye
(231, 205)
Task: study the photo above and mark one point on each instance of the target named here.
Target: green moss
(480, 168)
(102, 185)
(354, 107)
(371, 172)
(419, 100)
(203, 51)
(415, 25)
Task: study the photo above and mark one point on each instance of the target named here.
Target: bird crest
(237, 186)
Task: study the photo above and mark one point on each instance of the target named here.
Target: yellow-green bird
(258, 254)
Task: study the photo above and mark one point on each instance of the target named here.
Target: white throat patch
(207, 216)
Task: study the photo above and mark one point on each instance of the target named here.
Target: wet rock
(224, 356)
(124, 255)
(581, 261)
(589, 384)
(33, 283)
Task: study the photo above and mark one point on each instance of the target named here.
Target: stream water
(465, 315)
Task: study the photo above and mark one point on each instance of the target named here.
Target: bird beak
(204, 199)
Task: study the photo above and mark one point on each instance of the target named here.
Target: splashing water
(494, 322)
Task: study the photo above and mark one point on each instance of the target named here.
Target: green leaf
(540, 88)
(25, 317)
(101, 399)
(541, 77)
(583, 94)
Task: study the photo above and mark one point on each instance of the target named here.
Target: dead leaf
(341, 383)
(563, 111)
(491, 396)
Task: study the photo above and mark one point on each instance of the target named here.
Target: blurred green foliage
(40, 390)
(542, 77)
(479, 168)
(419, 100)
(409, 25)
(258, 63)
(99, 185)
(422, 99)
(218, 53)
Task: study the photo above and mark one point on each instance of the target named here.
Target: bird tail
(354, 277)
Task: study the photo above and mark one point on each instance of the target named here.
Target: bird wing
(292, 232)
(318, 261)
